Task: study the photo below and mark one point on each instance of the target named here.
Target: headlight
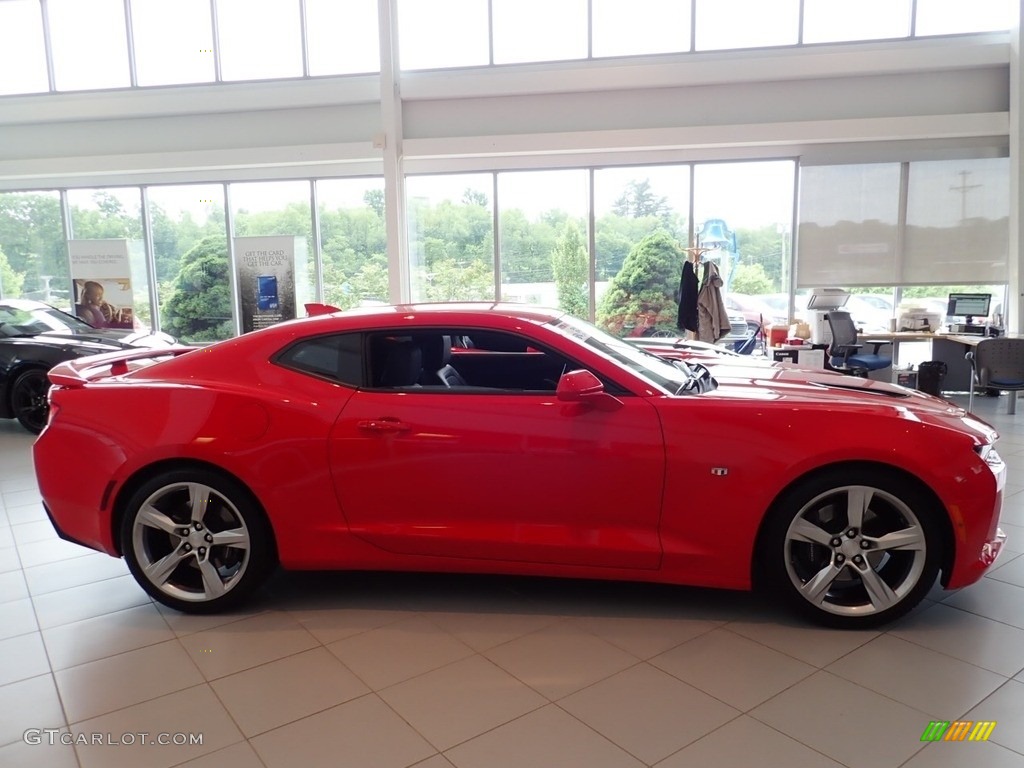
(989, 455)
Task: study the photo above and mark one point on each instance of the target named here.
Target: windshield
(674, 377)
(15, 321)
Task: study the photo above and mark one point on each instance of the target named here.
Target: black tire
(28, 399)
(196, 541)
(851, 548)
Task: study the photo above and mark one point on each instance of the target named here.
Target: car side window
(463, 360)
(337, 357)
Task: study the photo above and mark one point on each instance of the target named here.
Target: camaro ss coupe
(516, 440)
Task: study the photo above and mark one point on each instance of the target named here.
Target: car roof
(490, 314)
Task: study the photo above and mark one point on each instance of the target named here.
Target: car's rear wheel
(852, 548)
(28, 399)
(196, 541)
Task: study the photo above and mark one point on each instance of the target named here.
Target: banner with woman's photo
(101, 278)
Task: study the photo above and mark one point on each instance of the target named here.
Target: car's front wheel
(852, 548)
(28, 399)
(196, 541)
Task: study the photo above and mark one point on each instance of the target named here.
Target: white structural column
(1016, 254)
(389, 140)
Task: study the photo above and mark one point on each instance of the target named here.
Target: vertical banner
(101, 276)
(266, 280)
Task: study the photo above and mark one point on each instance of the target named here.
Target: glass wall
(278, 209)
(343, 37)
(539, 30)
(353, 242)
(428, 39)
(22, 50)
(641, 226)
(950, 235)
(172, 41)
(90, 44)
(544, 241)
(253, 46)
(828, 21)
(742, 213)
(639, 27)
(110, 214)
(451, 237)
(746, 23)
(190, 250)
(33, 251)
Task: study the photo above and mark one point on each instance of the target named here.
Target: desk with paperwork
(946, 347)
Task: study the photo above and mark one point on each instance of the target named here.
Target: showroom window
(33, 250)
(342, 37)
(827, 21)
(743, 213)
(451, 237)
(951, 17)
(634, 289)
(543, 228)
(443, 33)
(722, 24)
(113, 216)
(957, 222)
(539, 30)
(631, 27)
(22, 50)
(190, 248)
(173, 42)
(90, 44)
(956, 227)
(353, 241)
(255, 46)
(279, 209)
(849, 223)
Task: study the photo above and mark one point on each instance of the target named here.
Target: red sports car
(508, 439)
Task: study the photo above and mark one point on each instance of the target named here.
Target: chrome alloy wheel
(191, 542)
(855, 550)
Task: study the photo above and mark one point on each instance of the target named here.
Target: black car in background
(34, 337)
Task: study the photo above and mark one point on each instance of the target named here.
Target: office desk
(893, 338)
(950, 349)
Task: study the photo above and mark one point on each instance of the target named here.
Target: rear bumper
(64, 534)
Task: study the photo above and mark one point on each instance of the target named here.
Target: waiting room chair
(997, 363)
(844, 351)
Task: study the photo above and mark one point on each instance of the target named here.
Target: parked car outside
(34, 337)
(754, 309)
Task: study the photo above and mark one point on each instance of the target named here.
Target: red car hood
(775, 382)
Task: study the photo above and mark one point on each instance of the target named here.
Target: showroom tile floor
(399, 670)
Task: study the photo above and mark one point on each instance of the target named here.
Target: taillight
(53, 409)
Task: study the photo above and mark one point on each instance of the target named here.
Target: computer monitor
(969, 305)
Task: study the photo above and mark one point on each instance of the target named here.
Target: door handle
(384, 425)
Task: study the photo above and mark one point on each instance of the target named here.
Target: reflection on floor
(393, 671)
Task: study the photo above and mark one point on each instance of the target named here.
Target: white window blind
(956, 231)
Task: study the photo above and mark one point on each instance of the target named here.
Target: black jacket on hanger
(687, 318)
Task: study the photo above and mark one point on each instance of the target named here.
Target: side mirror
(584, 387)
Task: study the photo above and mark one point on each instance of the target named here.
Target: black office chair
(997, 363)
(844, 351)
